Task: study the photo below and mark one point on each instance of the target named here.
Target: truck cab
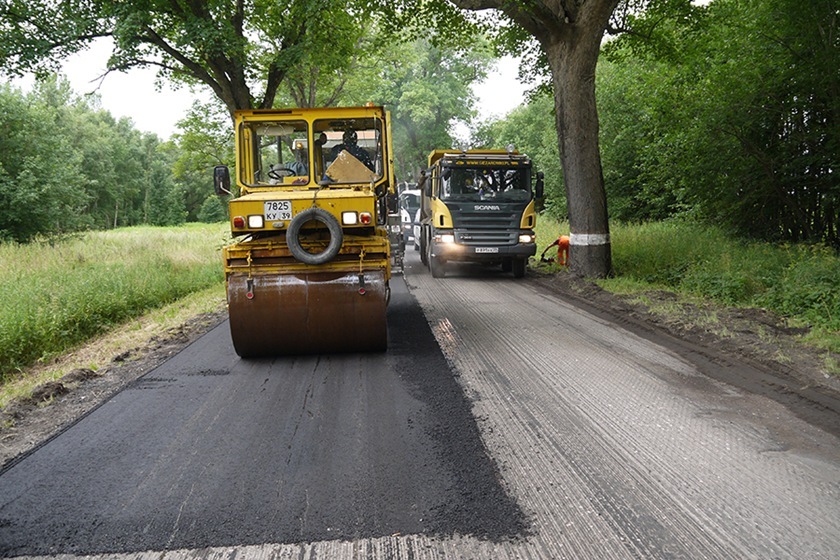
(478, 206)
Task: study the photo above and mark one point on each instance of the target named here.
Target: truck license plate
(486, 249)
(278, 210)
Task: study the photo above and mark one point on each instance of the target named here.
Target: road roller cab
(309, 270)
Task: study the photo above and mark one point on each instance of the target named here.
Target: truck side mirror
(423, 184)
(221, 180)
(539, 186)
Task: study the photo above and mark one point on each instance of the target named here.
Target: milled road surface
(590, 442)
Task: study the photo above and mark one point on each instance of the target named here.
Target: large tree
(569, 33)
(242, 50)
(251, 53)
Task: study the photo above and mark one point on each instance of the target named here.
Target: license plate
(278, 210)
(486, 249)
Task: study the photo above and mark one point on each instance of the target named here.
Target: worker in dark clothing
(350, 143)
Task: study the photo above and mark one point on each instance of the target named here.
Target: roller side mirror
(221, 180)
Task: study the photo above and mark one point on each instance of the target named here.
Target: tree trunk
(573, 74)
(570, 33)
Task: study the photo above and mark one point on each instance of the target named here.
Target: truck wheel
(519, 267)
(293, 236)
(424, 257)
(437, 266)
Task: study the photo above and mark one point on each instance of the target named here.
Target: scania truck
(478, 206)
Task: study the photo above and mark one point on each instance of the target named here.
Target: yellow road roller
(308, 271)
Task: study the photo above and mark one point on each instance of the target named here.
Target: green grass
(57, 295)
(799, 282)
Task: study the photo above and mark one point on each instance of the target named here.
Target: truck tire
(437, 266)
(519, 267)
(424, 257)
(293, 236)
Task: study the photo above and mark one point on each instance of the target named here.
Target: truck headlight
(447, 238)
(526, 238)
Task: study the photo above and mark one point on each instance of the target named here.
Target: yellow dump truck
(478, 206)
(308, 271)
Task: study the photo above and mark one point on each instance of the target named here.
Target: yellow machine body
(309, 270)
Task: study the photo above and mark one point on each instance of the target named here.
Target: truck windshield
(410, 201)
(280, 152)
(474, 184)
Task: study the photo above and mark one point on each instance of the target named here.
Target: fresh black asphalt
(210, 450)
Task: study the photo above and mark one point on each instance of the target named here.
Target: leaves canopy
(729, 114)
(241, 49)
(66, 165)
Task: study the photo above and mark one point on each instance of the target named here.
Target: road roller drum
(307, 313)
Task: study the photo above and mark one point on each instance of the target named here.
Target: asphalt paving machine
(308, 271)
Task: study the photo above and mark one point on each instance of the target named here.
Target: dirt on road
(788, 371)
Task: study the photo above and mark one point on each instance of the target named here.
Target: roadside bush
(801, 282)
(808, 287)
(659, 252)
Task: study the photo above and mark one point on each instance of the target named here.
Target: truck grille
(486, 228)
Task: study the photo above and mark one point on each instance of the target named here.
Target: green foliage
(205, 140)
(42, 187)
(797, 281)
(58, 295)
(213, 210)
(427, 89)
(800, 282)
(37, 35)
(808, 287)
(727, 113)
(639, 136)
(66, 166)
(243, 51)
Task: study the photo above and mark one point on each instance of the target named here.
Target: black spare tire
(334, 228)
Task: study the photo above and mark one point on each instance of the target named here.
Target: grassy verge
(798, 282)
(57, 295)
(99, 351)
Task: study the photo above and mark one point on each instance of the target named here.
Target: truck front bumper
(476, 253)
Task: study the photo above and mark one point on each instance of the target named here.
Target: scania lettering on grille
(487, 207)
